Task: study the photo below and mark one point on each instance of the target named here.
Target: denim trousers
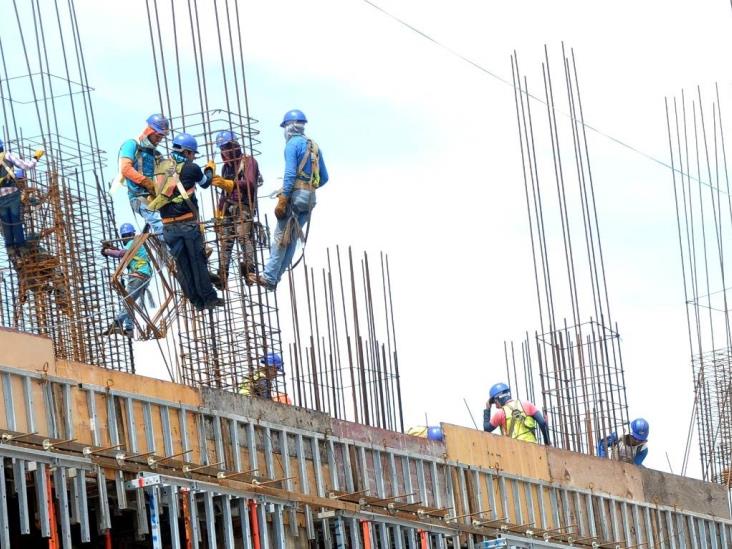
(299, 206)
(151, 217)
(185, 242)
(136, 287)
(12, 221)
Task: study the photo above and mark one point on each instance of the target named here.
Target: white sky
(423, 154)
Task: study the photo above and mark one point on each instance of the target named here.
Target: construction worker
(259, 383)
(431, 433)
(181, 228)
(630, 448)
(515, 418)
(12, 173)
(137, 161)
(139, 273)
(305, 172)
(237, 206)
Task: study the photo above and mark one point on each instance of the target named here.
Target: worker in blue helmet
(517, 419)
(424, 431)
(305, 172)
(237, 206)
(631, 447)
(139, 273)
(12, 178)
(259, 382)
(181, 223)
(138, 159)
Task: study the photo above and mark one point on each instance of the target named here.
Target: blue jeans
(10, 216)
(151, 217)
(135, 294)
(185, 242)
(299, 206)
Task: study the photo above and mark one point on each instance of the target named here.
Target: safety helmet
(126, 229)
(185, 141)
(293, 116)
(273, 359)
(499, 392)
(19, 173)
(639, 429)
(224, 137)
(435, 433)
(158, 123)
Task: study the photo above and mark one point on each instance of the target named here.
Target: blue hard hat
(639, 429)
(273, 359)
(293, 116)
(19, 173)
(435, 433)
(158, 123)
(500, 389)
(126, 229)
(224, 137)
(185, 141)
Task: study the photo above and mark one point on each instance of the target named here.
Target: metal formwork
(302, 483)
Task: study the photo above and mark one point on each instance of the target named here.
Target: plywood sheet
(491, 451)
(26, 351)
(685, 493)
(597, 474)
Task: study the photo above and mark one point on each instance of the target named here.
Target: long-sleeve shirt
(190, 176)
(135, 164)
(622, 449)
(245, 181)
(10, 161)
(140, 263)
(295, 149)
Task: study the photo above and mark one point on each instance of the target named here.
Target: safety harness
(167, 180)
(7, 175)
(311, 181)
(519, 424)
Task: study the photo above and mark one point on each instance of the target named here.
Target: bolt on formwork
(56, 285)
(581, 372)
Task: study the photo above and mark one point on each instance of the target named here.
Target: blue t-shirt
(140, 263)
(295, 149)
(147, 157)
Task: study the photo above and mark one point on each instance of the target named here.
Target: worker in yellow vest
(516, 419)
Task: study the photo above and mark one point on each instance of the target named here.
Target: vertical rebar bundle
(58, 284)
(704, 224)
(225, 347)
(344, 358)
(580, 365)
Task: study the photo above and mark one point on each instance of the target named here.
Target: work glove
(210, 165)
(148, 184)
(38, 154)
(281, 207)
(226, 184)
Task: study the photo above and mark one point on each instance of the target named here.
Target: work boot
(254, 278)
(129, 332)
(218, 302)
(115, 328)
(246, 269)
(216, 280)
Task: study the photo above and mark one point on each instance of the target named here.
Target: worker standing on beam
(630, 448)
(138, 279)
(11, 215)
(181, 226)
(516, 419)
(305, 172)
(237, 206)
(137, 161)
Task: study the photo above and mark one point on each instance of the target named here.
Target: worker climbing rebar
(631, 447)
(236, 207)
(11, 214)
(139, 273)
(181, 226)
(137, 162)
(305, 172)
(516, 419)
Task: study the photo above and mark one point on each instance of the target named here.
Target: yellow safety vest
(7, 175)
(519, 425)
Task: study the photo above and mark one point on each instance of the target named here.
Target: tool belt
(185, 217)
(304, 185)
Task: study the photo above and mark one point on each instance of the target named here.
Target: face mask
(294, 128)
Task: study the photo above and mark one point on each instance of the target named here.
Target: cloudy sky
(423, 153)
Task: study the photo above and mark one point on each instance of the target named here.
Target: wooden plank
(21, 350)
(491, 451)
